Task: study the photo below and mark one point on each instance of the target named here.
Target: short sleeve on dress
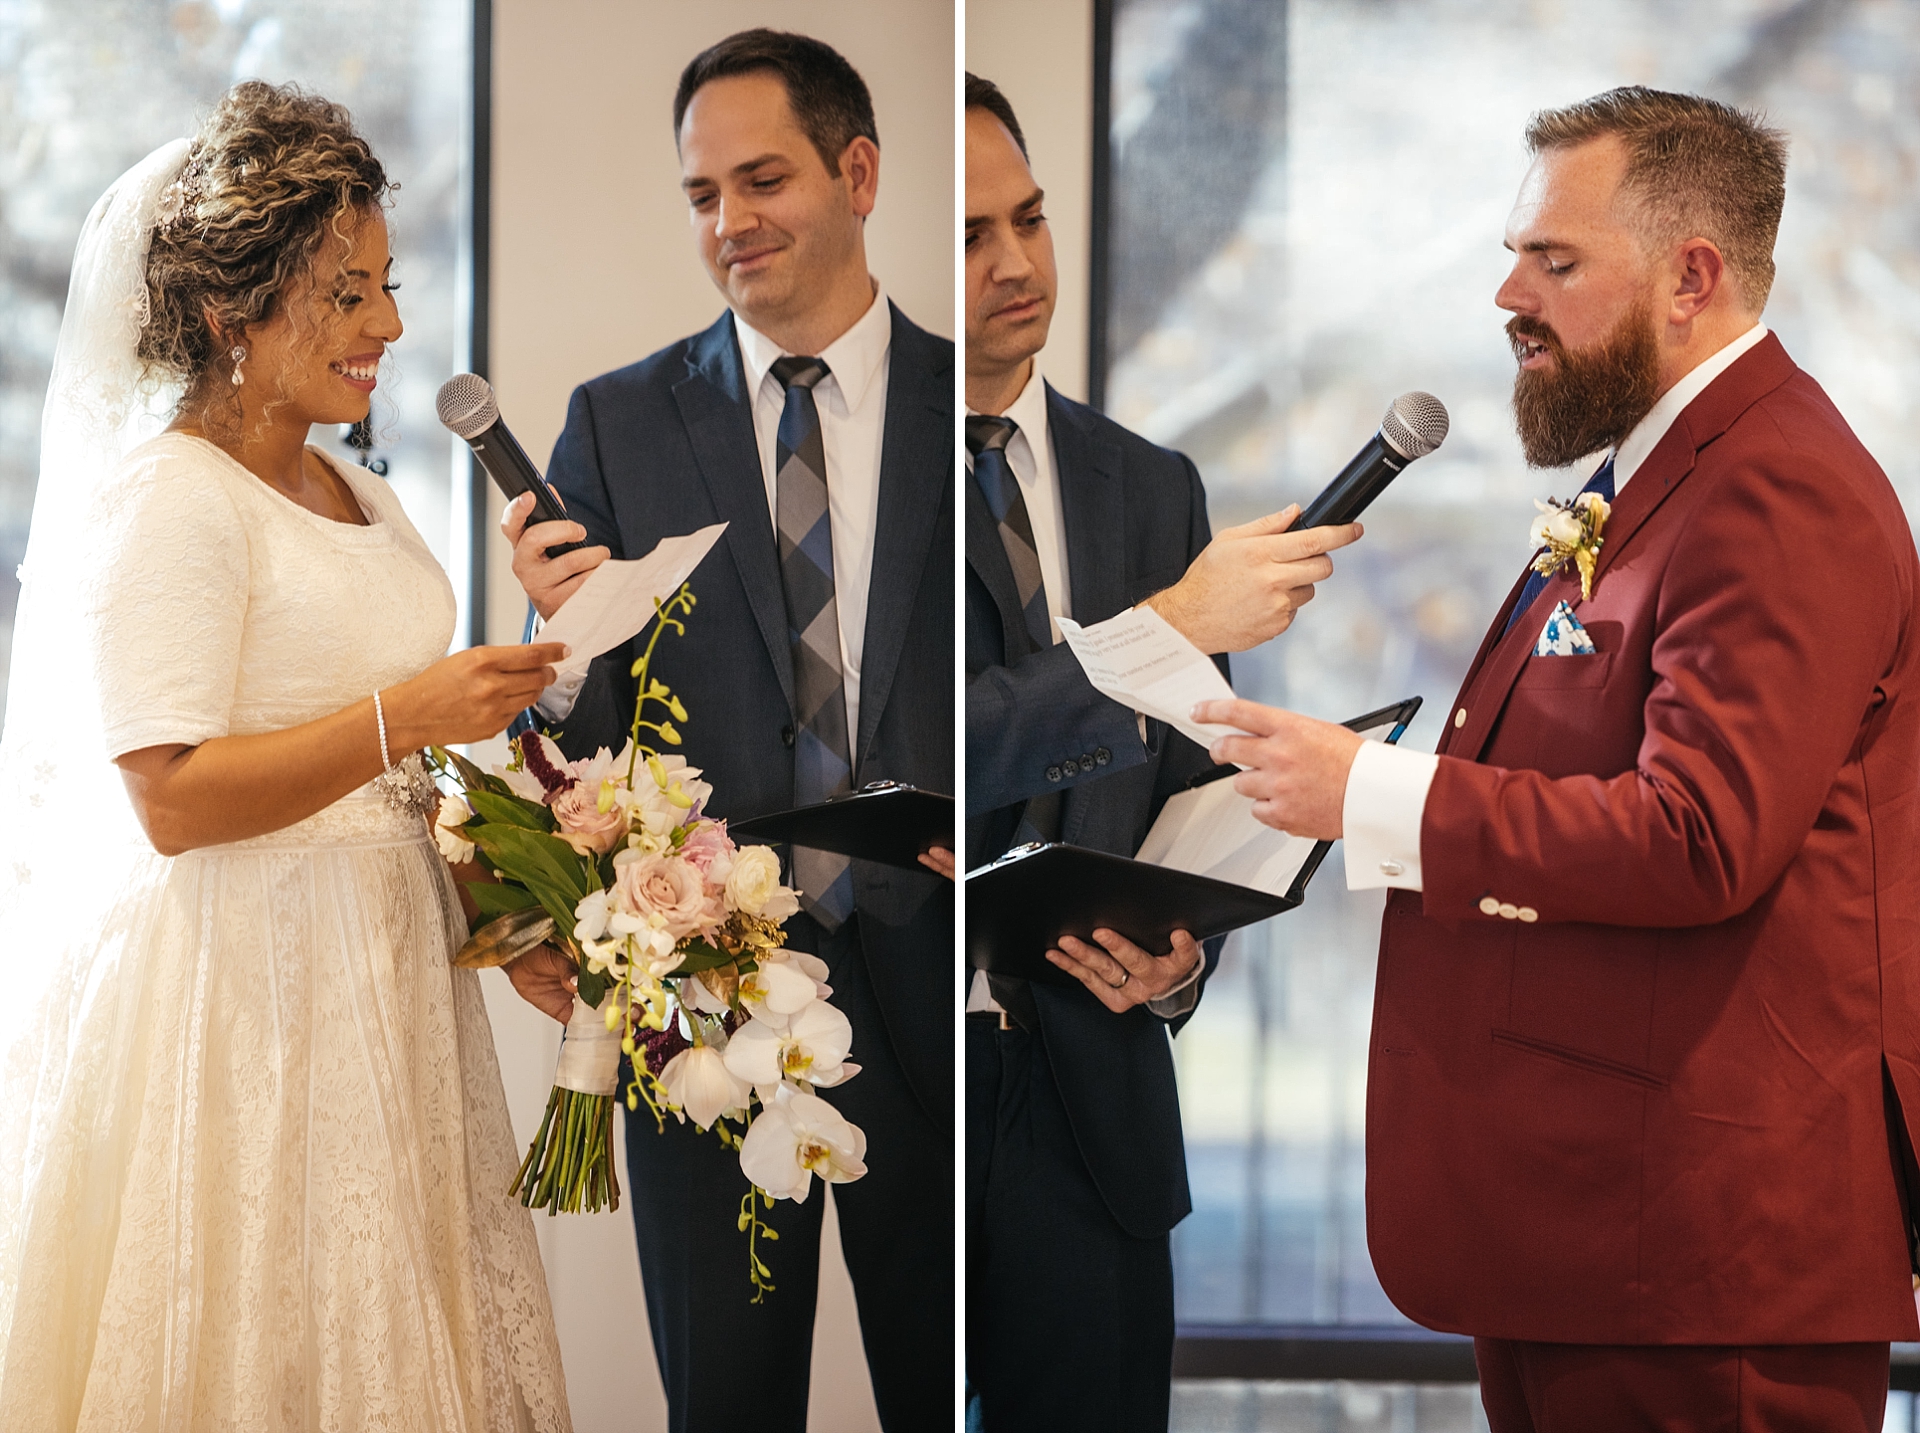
(164, 601)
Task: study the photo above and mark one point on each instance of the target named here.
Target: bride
(254, 1150)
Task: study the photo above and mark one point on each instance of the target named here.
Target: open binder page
(1212, 831)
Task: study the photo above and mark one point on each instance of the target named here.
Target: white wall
(594, 267)
(1040, 54)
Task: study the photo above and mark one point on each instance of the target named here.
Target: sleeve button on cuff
(1527, 914)
(1489, 906)
(1391, 868)
(1053, 773)
(1508, 911)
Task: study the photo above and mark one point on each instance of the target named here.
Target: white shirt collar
(1029, 410)
(853, 358)
(1638, 445)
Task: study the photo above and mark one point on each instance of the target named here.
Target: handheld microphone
(467, 407)
(1415, 425)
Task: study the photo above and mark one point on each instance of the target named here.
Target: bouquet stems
(569, 1166)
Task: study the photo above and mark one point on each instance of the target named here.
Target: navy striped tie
(822, 754)
(1602, 483)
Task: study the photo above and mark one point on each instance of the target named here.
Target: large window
(1304, 204)
(89, 86)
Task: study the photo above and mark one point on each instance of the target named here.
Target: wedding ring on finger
(1121, 983)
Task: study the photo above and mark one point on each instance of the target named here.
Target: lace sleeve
(164, 602)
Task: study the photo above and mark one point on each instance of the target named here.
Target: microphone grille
(466, 404)
(1415, 425)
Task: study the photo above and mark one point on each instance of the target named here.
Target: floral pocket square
(1563, 636)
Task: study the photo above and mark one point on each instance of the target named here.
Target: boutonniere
(1570, 531)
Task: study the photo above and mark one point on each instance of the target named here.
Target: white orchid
(453, 844)
(812, 1050)
(797, 1137)
(702, 1087)
(776, 992)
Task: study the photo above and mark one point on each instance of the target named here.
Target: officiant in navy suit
(1076, 1172)
(816, 421)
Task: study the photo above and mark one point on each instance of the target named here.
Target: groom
(819, 658)
(1646, 1045)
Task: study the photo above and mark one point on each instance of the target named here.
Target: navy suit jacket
(666, 446)
(1135, 516)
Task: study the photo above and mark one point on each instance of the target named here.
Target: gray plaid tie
(987, 439)
(822, 755)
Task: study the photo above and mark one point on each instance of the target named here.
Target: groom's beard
(1587, 400)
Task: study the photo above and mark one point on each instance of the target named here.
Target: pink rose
(708, 850)
(667, 887)
(583, 825)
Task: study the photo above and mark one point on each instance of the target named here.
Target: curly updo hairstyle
(272, 173)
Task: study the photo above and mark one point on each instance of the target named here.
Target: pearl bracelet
(380, 716)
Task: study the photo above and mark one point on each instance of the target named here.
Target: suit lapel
(916, 469)
(1751, 377)
(1093, 508)
(718, 412)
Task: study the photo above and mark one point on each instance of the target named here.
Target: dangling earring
(239, 356)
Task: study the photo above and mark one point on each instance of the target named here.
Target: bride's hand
(548, 583)
(469, 696)
(546, 980)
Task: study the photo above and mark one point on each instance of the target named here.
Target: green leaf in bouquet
(544, 864)
(593, 985)
(471, 776)
(493, 899)
(511, 810)
(697, 955)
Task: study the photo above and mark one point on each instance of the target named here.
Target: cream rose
(753, 885)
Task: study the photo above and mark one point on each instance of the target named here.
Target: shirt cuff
(557, 700)
(1381, 813)
(1183, 997)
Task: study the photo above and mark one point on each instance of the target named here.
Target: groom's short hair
(1694, 166)
(829, 100)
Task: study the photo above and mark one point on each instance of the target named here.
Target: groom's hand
(548, 582)
(546, 980)
(1296, 767)
(1119, 973)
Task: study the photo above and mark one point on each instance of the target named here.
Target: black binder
(884, 821)
(1021, 904)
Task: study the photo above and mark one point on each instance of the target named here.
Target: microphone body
(1415, 425)
(467, 407)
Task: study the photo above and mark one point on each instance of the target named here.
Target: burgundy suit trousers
(1681, 1388)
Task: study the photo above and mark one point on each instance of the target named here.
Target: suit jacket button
(1528, 915)
(1460, 717)
(1101, 756)
(1508, 911)
(1489, 906)
(1053, 773)
(1391, 868)
(1086, 761)
(786, 735)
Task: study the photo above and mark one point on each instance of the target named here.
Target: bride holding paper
(253, 1142)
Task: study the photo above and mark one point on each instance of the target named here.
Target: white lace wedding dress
(254, 1149)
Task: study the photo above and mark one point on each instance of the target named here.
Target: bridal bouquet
(677, 933)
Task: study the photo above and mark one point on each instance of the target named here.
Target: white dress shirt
(1386, 796)
(852, 403)
(1031, 457)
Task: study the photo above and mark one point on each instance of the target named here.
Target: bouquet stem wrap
(569, 1166)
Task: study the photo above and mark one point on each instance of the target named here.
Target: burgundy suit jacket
(1645, 1104)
